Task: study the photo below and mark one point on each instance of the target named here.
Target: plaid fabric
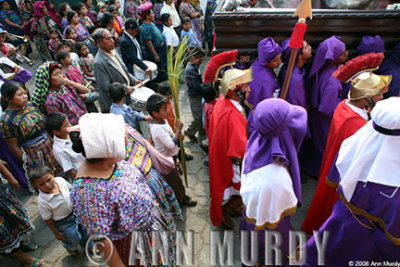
(42, 85)
(40, 154)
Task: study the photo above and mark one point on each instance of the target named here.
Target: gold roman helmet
(231, 78)
(367, 84)
(359, 71)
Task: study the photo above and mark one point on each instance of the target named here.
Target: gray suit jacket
(106, 73)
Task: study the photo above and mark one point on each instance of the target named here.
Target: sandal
(37, 262)
(28, 247)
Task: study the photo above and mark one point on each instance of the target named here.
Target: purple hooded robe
(297, 92)
(325, 95)
(264, 83)
(279, 129)
(391, 66)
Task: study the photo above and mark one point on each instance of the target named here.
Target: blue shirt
(193, 80)
(152, 33)
(131, 117)
(192, 40)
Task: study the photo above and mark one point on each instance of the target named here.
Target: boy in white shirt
(56, 209)
(57, 125)
(166, 141)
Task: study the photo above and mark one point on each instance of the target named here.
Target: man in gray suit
(109, 68)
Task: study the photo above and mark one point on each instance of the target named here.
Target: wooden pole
(289, 71)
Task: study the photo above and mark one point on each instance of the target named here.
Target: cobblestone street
(196, 219)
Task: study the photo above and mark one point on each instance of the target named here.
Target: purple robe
(297, 92)
(279, 129)
(371, 44)
(283, 228)
(351, 241)
(325, 95)
(264, 83)
(23, 77)
(14, 165)
(391, 66)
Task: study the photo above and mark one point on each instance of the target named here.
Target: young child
(63, 8)
(56, 209)
(57, 124)
(75, 75)
(187, 32)
(71, 36)
(165, 90)
(209, 94)
(117, 93)
(54, 41)
(166, 141)
(102, 9)
(86, 60)
(193, 82)
(66, 46)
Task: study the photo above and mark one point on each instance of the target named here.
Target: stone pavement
(196, 219)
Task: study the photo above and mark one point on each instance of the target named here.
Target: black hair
(116, 91)
(111, 8)
(8, 90)
(78, 47)
(70, 15)
(106, 19)
(197, 52)
(53, 29)
(185, 19)
(61, 55)
(68, 31)
(39, 172)
(63, 42)
(77, 146)
(155, 102)
(208, 92)
(164, 89)
(164, 18)
(62, 8)
(110, 2)
(77, 7)
(54, 121)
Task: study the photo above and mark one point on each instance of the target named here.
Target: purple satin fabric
(297, 91)
(279, 129)
(283, 228)
(351, 241)
(14, 165)
(371, 44)
(268, 49)
(391, 66)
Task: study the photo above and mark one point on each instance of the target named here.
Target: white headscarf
(103, 135)
(372, 154)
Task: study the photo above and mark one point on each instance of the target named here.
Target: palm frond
(175, 67)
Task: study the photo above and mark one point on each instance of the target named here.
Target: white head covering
(372, 153)
(103, 135)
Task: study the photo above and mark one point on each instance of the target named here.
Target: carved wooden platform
(243, 30)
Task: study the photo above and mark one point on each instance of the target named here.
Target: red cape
(345, 123)
(227, 138)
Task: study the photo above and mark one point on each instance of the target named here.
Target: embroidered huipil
(115, 206)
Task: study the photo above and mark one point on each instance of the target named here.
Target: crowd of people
(76, 140)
